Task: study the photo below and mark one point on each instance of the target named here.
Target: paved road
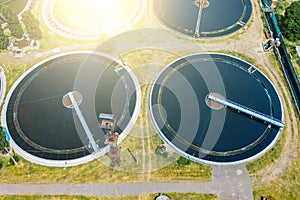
(103, 189)
(231, 182)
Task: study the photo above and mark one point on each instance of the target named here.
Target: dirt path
(273, 171)
(148, 135)
(142, 137)
(145, 136)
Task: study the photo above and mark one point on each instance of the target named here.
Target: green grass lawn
(286, 186)
(268, 158)
(295, 59)
(95, 172)
(100, 171)
(173, 195)
(271, 156)
(17, 5)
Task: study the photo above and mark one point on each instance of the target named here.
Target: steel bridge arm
(247, 110)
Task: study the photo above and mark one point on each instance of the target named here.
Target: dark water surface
(45, 128)
(184, 119)
(220, 18)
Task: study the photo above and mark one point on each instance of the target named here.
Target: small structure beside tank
(107, 121)
(108, 124)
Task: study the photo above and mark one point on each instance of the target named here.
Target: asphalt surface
(232, 182)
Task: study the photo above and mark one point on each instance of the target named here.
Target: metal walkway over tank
(83, 122)
(246, 110)
(197, 28)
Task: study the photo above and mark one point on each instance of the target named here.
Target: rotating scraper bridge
(197, 28)
(83, 123)
(244, 109)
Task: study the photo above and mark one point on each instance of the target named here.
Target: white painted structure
(83, 123)
(246, 110)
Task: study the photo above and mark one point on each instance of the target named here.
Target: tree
(16, 30)
(3, 40)
(32, 25)
(182, 161)
(290, 22)
(12, 20)
(3, 141)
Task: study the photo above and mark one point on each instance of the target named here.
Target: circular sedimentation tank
(216, 18)
(91, 19)
(188, 117)
(42, 123)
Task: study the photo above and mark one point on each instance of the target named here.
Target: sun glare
(103, 6)
(93, 15)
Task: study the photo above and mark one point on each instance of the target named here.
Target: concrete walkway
(232, 182)
(103, 189)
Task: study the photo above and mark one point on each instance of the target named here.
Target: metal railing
(83, 123)
(247, 110)
(197, 28)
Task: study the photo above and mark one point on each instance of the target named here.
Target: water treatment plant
(42, 126)
(148, 99)
(204, 18)
(91, 19)
(204, 105)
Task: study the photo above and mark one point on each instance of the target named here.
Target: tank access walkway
(197, 27)
(83, 122)
(246, 110)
